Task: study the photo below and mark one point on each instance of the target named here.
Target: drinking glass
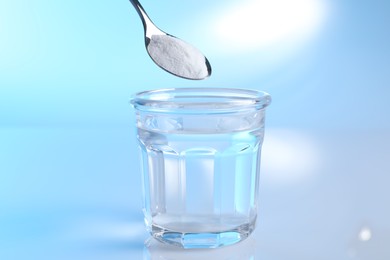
(200, 155)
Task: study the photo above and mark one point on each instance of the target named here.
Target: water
(201, 158)
(200, 189)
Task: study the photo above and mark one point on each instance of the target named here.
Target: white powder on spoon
(177, 57)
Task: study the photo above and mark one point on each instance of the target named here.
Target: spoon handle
(143, 15)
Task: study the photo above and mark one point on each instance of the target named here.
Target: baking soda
(177, 57)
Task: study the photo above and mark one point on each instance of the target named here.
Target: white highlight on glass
(258, 23)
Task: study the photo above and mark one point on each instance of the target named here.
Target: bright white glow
(288, 156)
(258, 23)
(365, 234)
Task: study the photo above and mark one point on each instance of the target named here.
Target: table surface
(75, 193)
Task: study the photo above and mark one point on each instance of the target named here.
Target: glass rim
(193, 100)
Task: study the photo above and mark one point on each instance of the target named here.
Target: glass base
(204, 239)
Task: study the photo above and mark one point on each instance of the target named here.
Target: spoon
(171, 53)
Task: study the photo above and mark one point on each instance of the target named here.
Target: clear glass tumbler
(200, 161)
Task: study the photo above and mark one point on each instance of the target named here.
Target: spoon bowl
(171, 53)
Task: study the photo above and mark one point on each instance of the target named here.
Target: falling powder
(177, 57)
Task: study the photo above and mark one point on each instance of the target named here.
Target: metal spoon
(170, 53)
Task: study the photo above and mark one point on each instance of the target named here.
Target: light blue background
(69, 174)
(78, 62)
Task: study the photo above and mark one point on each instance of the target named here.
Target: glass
(200, 151)
(242, 251)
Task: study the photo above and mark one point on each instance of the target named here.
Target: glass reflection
(244, 250)
(290, 155)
